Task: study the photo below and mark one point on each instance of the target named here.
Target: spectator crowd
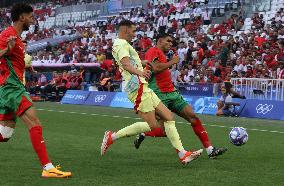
(208, 53)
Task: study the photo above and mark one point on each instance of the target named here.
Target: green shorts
(14, 100)
(173, 101)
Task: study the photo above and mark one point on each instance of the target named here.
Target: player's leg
(6, 130)
(196, 124)
(7, 119)
(27, 114)
(160, 131)
(219, 112)
(172, 134)
(157, 132)
(145, 108)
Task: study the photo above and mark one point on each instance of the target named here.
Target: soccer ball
(238, 136)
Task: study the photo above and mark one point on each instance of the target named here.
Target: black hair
(19, 9)
(162, 36)
(127, 23)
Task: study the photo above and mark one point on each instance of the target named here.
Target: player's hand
(175, 59)
(146, 74)
(144, 62)
(11, 42)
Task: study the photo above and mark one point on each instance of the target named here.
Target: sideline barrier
(250, 108)
(76, 97)
(196, 89)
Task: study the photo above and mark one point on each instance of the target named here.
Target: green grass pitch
(73, 136)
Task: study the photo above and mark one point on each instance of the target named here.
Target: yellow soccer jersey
(121, 48)
(28, 61)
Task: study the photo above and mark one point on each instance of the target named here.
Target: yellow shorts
(144, 99)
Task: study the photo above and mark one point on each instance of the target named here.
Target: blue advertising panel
(100, 98)
(202, 104)
(121, 100)
(265, 109)
(197, 90)
(239, 109)
(77, 97)
(210, 105)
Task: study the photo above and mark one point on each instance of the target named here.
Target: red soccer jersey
(161, 81)
(16, 55)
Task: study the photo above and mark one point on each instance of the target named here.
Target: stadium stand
(238, 46)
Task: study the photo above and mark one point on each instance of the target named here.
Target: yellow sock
(133, 129)
(173, 135)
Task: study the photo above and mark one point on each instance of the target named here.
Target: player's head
(25, 44)
(223, 89)
(23, 14)
(127, 30)
(164, 42)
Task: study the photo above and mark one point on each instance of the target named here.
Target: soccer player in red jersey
(14, 101)
(162, 85)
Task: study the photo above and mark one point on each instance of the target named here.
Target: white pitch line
(125, 117)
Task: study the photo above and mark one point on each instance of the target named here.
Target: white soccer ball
(238, 136)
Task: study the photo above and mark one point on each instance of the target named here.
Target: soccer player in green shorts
(162, 85)
(14, 101)
(146, 104)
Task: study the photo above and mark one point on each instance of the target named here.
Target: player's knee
(6, 133)
(169, 117)
(154, 126)
(35, 121)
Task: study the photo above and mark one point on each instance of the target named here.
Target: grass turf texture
(74, 140)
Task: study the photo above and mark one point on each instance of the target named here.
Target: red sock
(1, 138)
(157, 132)
(39, 145)
(200, 131)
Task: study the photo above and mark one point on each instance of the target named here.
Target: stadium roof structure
(7, 3)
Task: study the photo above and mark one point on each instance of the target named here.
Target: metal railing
(257, 88)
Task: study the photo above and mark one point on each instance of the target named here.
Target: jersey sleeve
(3, 41)
(150, 55)
(4, 38)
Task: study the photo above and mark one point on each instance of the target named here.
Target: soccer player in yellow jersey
(146, 104)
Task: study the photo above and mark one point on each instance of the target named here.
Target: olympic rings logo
(263, 109)
(100, 98)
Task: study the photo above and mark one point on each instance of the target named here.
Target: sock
(181, 153)
(5, 133)
(131, 130)
(1, 138)
(48, 166)
(39, 145)
(173, 135)
(200, 131)
(157, 132)
(209, 150)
